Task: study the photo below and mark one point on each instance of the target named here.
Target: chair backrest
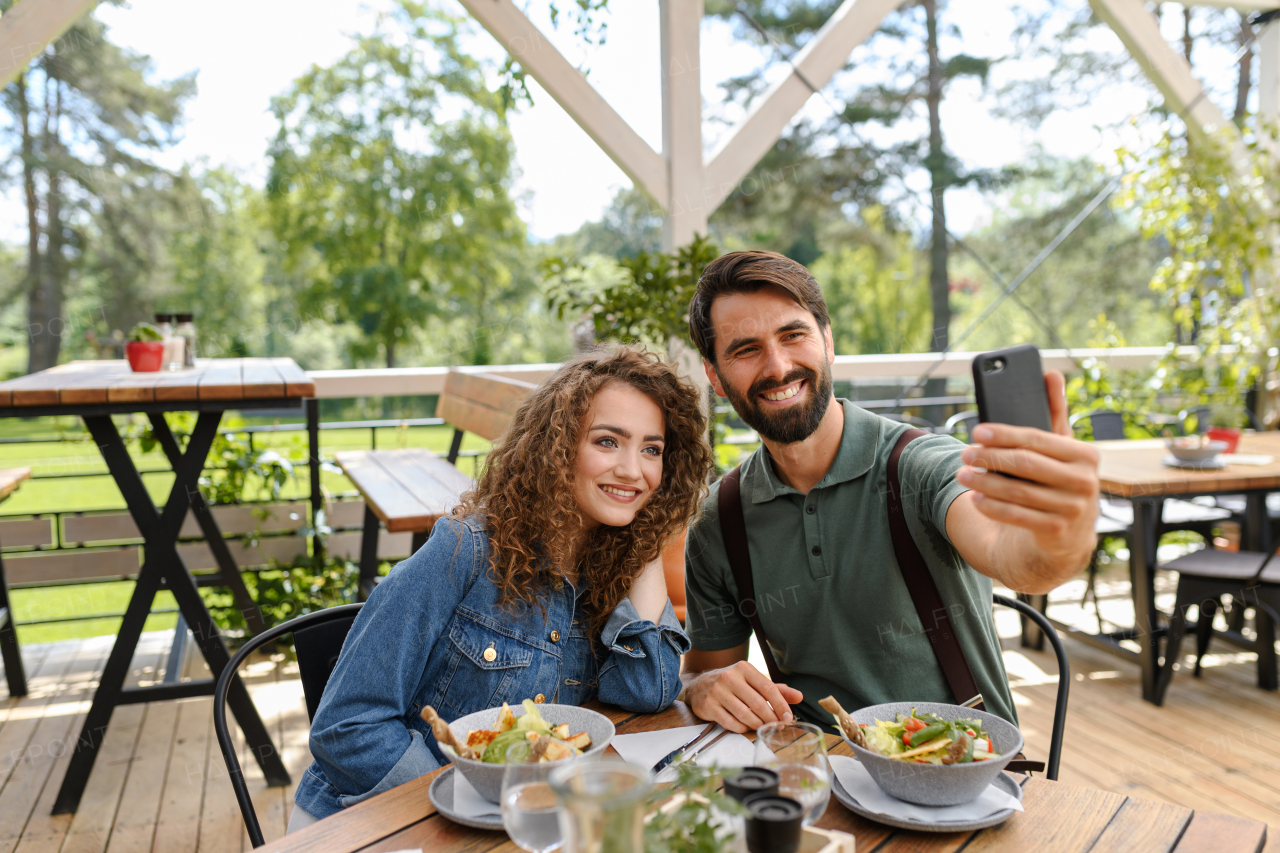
(961, 422)
(320, 654)
(1198, 415)
(921, 423)
(1064, 678)
(318, 647)
(1107, 425)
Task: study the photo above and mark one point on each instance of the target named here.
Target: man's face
(772, 362)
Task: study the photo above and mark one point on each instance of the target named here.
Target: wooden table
(1059, 817)
(1133, 470)
(96, 390)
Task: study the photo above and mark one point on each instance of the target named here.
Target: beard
(786, 426)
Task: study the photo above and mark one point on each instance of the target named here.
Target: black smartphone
(1009, 385)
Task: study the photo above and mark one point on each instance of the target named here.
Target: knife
(671, 756)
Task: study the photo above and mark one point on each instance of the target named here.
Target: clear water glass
(603, 805)
(797, 752)
(529, 806)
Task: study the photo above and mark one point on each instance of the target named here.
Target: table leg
(1142, 563)
(228, 568)
(162, 566)
(14, 674)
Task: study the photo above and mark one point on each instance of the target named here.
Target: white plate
(1211, 464)
(1004, 780)
(441, 794)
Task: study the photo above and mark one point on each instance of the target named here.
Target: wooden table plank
(397, 507)
(261, 378)
(220, 379)
(296, 381)
(1133, 469)
(11, 478)
(1059, 818)
(1143, 825)
(86, 382)
(1211, 832)
(364, 824)
(159, 385)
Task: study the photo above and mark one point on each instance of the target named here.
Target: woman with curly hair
(545, 583)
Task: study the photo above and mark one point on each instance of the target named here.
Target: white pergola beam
(681, 22)
(1167, 68)
(1269, 71)
(819, 60)
(29, 27)
(526, 43)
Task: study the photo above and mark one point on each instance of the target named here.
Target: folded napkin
(648, 748)
(1246, 458)
(855, 779)
(467, 801)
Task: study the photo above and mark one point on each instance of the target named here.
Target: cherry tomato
(914, 724)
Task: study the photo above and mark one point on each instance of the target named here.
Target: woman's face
(619, 456)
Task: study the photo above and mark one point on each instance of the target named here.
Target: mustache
(764, 386)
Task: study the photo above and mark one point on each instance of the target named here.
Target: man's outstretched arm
(720, 686)
(1036, 532)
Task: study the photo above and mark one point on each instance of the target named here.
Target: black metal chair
(961, 422)
(14, 673)
(318, 639)
(1204, 579)
(1064, 678)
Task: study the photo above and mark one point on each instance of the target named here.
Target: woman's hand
(649, 592)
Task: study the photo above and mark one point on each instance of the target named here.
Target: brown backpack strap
(733, 528)
(924, 590)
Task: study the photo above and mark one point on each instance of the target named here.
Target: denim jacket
(424, 638)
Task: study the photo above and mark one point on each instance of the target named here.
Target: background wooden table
(1059, 818)
(1135, 470)
(97, 390)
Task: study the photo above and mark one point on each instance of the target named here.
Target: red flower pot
(144, 356)
(1230, 436)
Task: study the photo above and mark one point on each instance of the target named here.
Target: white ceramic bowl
(1203, 453)
(936, 784)
(487, 778)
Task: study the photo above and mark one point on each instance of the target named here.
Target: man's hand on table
(1035, 532)
(737, 696)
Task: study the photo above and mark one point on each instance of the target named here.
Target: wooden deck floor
(160, 784)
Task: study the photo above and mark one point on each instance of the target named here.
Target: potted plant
(1225, 423)
(145, 349)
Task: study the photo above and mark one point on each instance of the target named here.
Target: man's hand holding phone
(1043, 512)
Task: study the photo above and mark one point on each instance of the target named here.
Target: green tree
(406, 210)
(83, 119)
(1213, 206)
(877, 289)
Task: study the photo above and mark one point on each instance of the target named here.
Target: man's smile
(784, 394)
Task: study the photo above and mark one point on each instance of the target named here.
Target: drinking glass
(528, 803)
(797, 752)
(603, 806)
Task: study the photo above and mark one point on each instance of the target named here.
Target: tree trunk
(391, 352)
(38, 312)
(55, 267)
(1245, 80)
(939, 283)
(1188, 40)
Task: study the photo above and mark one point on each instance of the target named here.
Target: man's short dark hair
(747, 272)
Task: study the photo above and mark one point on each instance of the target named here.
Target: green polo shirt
(833, 602)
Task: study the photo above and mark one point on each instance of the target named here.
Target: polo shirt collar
(855, 457)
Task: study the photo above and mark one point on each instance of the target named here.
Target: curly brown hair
(526, 496)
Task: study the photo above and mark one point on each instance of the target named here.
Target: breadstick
(445, 735)
(852, 729)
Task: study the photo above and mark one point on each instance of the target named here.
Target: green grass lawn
(93, 489)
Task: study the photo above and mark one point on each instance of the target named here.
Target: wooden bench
(12, 655)
(407, 490)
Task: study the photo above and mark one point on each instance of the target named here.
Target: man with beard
(835, 608)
